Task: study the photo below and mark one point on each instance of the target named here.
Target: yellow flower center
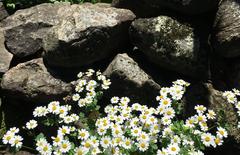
(142, 145)
(54, 108)
(207, 139)
(82, 134)
(87, 145)
(217, 141)
(173, 149)
(45, 148)
(64, 146)
(105, 141)
(165, 102)
(8, 138)
(57, 139)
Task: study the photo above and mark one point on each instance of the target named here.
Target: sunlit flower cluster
(12, 138)
(123, 128)
(86, 90)
(232, 98)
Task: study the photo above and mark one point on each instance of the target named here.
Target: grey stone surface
(128, 79)
(25, 29)
(87, 33)
(226, 36)
(31, 81)
(5, 56)
(171, 45)
(70, 35)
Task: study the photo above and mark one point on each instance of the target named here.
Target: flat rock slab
(144, 8)
(170, 45)
(5, 56)
(128, 79)
(70, 35)
(31, 81)
(226, 37)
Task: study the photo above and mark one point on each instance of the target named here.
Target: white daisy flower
(83, 134)
(75, 97)
(32, 124)
(105, 142)
(54, 107)
(64, 130)
(114, 100)
(65, 146)
(57, 140)
(127, 143)
(143, 146)
(80, 151)
(16, 141)
(222, 133)
(173, 149)
(81, 102)
(8, 137)
(136, 132)
(40, 111)
(207, 139)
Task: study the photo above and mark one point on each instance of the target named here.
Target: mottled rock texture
(5, 56)
(226, 35)
(128, 79)
(31, 81)
(87, 33)
(171, 45)
(69, 35)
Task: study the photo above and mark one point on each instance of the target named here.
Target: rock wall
(42, 47)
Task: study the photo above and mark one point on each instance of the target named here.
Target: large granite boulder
(5, 56)
(226, 36)
(144, 8)
(70, 35)
(128, 79)
(171, 45)
(87, 33)
(31, 81)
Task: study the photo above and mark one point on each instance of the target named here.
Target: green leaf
(40, 136)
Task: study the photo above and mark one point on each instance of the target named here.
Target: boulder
(25, 29)
(3, 12)
(70, 35)
(86, 34)
(31, 81)
(128, 79)
(218, 103)
(171, 45)
(205, 94)
(5, 56)
(226, 36)
(145, 8)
